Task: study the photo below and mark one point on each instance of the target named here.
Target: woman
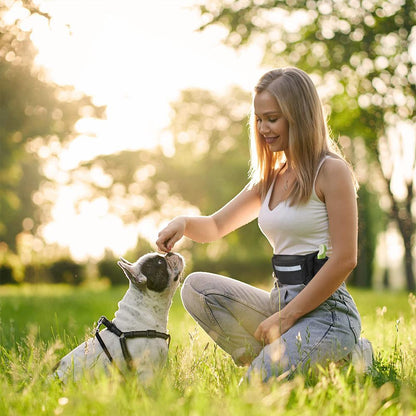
(303, 194)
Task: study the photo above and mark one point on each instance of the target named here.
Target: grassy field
(40, 324)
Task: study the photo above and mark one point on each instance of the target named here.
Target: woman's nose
(263, 128)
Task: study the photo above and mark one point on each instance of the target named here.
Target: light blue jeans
(230, 311)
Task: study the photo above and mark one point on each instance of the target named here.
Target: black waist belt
(294, 270)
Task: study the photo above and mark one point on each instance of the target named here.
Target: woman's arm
(335, 186)
(239, 211)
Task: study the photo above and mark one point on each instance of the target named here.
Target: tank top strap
(319, 168)
(314, 194)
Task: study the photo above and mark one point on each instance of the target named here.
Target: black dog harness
(123, 336)
(293, 270)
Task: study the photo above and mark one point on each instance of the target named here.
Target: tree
(35, 114)
(360, 52)
(211, 162)
(201, 164)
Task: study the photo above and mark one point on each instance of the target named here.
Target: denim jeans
(230, 311)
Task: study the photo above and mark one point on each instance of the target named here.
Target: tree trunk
(408, 261)
(403, 217)
(362, 276)
(409, 230)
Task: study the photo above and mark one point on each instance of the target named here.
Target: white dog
(136, 338)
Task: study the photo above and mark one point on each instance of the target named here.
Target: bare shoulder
(334, 176)
(250, 193)
(333, 166)
(253, 189)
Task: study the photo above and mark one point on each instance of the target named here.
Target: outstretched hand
(171, 234)
(272, 328)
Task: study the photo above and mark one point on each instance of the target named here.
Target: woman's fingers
(268, 330)
(258, 335)
(164, 242)
(170, 243)
(171, 234)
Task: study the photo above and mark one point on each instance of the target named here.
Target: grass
(40, 324)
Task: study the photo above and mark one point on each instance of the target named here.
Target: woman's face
(270, 123)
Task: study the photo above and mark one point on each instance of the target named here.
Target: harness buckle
(99, 323)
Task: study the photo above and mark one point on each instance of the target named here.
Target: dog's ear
(155, 269)
(132, 272)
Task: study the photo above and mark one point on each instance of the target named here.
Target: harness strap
(123, 336)
(103, 346)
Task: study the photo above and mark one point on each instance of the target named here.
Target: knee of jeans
(271, 362)
(188, 290)
(191, 278)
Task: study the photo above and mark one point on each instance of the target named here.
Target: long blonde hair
(309, 138)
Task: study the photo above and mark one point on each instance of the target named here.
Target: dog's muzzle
(176, 263)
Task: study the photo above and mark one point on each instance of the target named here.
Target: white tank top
(297, 229)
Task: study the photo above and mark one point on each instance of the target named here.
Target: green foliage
(6, 275)
(108, 268)
(209, 167)
(371, 222)
(360, 55)
(198, 375)
(67, 271)
(34, 113)
(211, 147)
(59, 271)
(204, 164)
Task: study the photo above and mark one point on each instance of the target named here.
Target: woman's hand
(272, 328)
(171, 234)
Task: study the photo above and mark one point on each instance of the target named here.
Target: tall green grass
(40, 324)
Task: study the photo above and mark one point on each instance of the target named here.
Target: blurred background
(116, 116)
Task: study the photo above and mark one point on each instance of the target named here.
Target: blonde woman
(303, 194)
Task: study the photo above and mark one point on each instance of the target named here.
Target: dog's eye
(160, 261)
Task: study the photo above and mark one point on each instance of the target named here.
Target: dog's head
(154, 271)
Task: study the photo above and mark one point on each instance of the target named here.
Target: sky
(135, 57)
